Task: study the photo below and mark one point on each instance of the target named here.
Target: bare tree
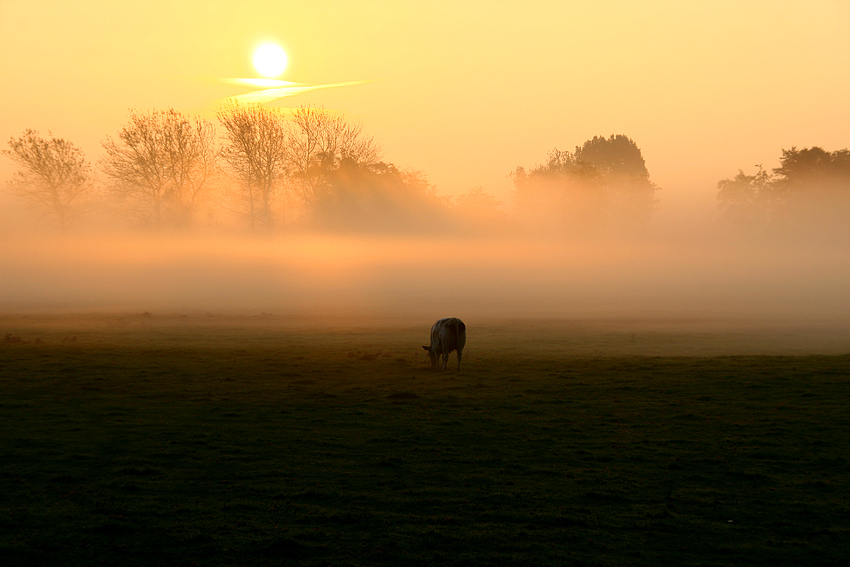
(161, 164)
(255, 150)
(318, 141)
(54, 175)
(191, 154)
(278, 156)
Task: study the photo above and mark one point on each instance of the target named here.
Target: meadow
(152, 440)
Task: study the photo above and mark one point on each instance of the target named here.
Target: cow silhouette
(446, 335)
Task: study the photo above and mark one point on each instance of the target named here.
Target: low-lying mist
(660, 277)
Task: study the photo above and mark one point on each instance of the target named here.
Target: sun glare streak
(261, 83)
(292, 89)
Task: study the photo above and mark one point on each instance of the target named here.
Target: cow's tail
(460, 333)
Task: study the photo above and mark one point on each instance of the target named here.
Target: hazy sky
(463, 90)
(466, 92)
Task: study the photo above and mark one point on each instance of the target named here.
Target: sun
(270, 60)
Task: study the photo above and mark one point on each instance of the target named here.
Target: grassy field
(144, 440)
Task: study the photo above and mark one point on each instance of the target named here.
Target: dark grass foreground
(289, 449)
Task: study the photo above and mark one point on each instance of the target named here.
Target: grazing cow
(446, 335)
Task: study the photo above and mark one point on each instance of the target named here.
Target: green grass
(163, 444)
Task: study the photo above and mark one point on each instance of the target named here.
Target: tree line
(312, 168)
(264, 166)
(808, 193)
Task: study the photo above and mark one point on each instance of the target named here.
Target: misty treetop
(808, 193)
(745, 199)
(317, 142)
(53, 176)
(160, 165)
(601, 187)
(376, 197)
(254, 148)
(313, 165)
(617, 155)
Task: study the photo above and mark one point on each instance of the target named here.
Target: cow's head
(432, 355)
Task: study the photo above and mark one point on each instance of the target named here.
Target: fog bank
(651, 278)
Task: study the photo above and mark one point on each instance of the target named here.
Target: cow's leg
(445, 361)
(459, 358)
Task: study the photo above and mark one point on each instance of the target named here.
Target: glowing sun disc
(270, 60)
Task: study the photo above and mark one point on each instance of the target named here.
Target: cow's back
(448, 334)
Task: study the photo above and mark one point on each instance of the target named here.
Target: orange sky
(465, 91)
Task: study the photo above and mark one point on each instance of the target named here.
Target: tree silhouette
(54, 175)
(160, 164)
(329, 164)
(630, 193)
(376, 197)
(317, 144)
(745, 200)
(617, 156)
(255, 149)
(563, 196)
(809, 191)
(603, 186)
(812, 170)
